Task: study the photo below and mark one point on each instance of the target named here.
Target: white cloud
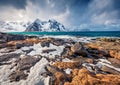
(63, 17)
(10, 14)
(33, 11)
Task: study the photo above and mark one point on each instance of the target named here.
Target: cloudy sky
(68, 12)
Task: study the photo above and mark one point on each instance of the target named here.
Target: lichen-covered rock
(84, 77)
(60, 78)
(115, 54)
(115, 62)
(65, 65)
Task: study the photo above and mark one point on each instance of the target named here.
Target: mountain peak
(37, 21)
(50, 26)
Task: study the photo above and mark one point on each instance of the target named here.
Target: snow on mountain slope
(47, 26)
(13, 26)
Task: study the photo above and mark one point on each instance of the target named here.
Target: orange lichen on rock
(115, 54)
(65, 65)
(89, 60)
(59, 78)
(94, 46)
(74, 72)
(30, 41)
(109, 79)
(84, 77)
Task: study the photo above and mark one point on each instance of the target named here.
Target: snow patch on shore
(35, 73)
(37, 50)
(66, 60)
(68, 70)
(34, 77)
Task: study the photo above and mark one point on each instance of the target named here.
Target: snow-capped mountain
(13, 26)
(47, 26)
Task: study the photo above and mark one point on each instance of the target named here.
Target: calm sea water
(81, 34)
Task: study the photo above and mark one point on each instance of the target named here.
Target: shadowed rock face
(10, 37)
(7, 57)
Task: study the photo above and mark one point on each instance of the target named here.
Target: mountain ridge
(47, 26)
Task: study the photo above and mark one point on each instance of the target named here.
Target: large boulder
(78, 48)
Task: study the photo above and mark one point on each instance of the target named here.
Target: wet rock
(48, 50)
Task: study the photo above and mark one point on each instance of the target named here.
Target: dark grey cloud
(95, 11)
(75, 6)
(117, 7)
(19, 4)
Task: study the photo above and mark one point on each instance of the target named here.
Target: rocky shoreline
(31, 60)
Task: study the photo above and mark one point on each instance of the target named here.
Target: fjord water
(80, 34)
